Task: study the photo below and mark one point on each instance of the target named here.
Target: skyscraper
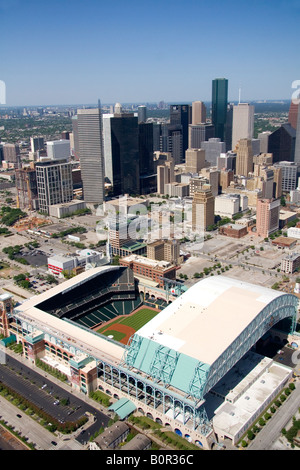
(121, 144)
(142, 113)
(203, 209)
(90, 142)
(281, 143)
(146, 164)
(198, 112)
(171, 140)
(242, 123)
(219, 106)
(180, 116)
(297, 140)
(194, 160)
(36, 143)
(213, 148)
(228, 127)
(199, 133)
(244, 158)
(54, 183)
(267, 216)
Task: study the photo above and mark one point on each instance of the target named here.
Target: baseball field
(122, 328)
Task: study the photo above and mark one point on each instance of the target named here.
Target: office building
(212, 175)
(165, 175)
(263, 159)
(198, 112)
(121, 237)
(282, 143)
(293, 113)
(36, 144)
(297, 140)
(90, 141)
(219, 106)
(213, 148)
(288, 175)
(74, 143)
(118, 109)
(228, 127)
(59, 149)
(180, 116)
(171, 140)
(264, 180)
(146, 268)
(146, 163)
(277, 182)
(11, 154)
(242, 123)
(290, 263)
(26, 187)
(263, 137)
(199, 133)
(226, 177)
(54, 183)
(167, 250)
(121, 150)
(227, 205)
(194, 160)
(244, 157)
(142, 114)
(156, 136)
(177, 189)
(197, 183)
(227, 161)
(267, 216)
(255, 146)
(203, 209)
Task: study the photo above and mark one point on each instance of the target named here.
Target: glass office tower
(219, 106)
(125, 154)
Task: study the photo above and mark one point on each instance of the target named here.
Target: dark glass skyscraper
(180, 115)
(125, 154)
(219, 106)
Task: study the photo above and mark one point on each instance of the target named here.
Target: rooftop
(206, 319)
(147, 261)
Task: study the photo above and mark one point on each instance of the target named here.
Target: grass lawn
(136, 321)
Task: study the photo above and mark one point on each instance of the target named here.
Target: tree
(261, 422)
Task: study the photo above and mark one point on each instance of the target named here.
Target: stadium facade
(171, 364)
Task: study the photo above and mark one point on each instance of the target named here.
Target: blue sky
(76, 51)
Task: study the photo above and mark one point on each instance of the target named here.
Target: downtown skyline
(66, 53)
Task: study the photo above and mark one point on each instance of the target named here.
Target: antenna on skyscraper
(240, 90)
(99, 103)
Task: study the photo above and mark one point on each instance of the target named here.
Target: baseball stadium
(188, 364)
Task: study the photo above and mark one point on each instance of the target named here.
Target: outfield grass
(135, 321)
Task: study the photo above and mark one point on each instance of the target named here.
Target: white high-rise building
(54, 183)
(107, 147)
(59, 149)
(90, 142)
(242, 122)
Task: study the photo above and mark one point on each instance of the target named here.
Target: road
(272, 430)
